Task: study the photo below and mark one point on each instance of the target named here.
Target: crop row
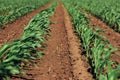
(106, 10)
(11, 10)
(25, 48)
(9, 5)
(97, 49)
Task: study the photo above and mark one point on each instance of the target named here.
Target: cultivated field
(59, 40)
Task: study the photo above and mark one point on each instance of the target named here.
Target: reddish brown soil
(112, 36)
(14, 30)
(62, 59)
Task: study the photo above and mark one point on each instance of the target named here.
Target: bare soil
(112, 36)
(14, 30)
(62, 59)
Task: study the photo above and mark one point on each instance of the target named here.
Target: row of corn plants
(106, 10)
(11, 10)
(97, 49)
(26, 48)
(8, 5)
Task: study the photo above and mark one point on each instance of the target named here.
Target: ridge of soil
(14, 30)
(79, 66)
(112, 36)
(62, 59)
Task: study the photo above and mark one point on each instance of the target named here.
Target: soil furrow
(56, 62)
(112, 36)
(14, 30)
